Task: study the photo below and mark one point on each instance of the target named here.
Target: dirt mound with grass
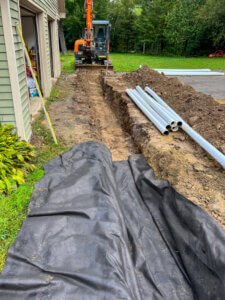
(201, 111)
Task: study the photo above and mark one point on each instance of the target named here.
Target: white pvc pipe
(163, 103)
(183, 70)
(158, 108)
(209, 148)
(147, 113)
(178, 73)
(174, 128)
(213, 151)
(152, 111)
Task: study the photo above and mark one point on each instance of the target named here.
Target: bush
(15, 156)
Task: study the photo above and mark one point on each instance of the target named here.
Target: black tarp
(99, 229)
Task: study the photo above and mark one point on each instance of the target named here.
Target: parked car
(218, 53)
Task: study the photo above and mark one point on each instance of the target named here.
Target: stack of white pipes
(166, 119)
(189, 72)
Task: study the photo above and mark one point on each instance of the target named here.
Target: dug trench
(97, 108)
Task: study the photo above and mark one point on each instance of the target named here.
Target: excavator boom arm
(89, 19)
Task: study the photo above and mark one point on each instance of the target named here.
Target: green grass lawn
(13, 211)
(68, 62)
(130, 62)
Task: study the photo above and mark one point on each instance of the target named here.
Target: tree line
(175, 27)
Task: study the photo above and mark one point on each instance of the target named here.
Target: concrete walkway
(211, 85)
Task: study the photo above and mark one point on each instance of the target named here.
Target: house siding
(18, 98)
(7, 114)
(20, 61)
(49, 6)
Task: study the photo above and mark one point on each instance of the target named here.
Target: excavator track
(94, 66)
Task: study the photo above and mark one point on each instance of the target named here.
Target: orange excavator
(93, 48)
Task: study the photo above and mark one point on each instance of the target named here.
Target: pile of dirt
(85, 115)
(176, 158)
(201, 111)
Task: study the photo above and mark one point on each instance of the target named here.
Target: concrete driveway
(211, 85)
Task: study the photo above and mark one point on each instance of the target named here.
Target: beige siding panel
(5, 104)
(23, 99)
(26, 109)
(4, 96)
(24, 89)
(2, 48)
(5, 88)
(3, 65)
(3, 57)
(50, 6)
(27, 118)
(20, 61)
(18, 46)
(8, 119)
(6, 101)
(2, 41)
(4, 73)
(7, 111)
(14, 14)
(14, 5)
(4, 81)
(21, 76)
(21, 69)
(8, 123)
(19, 53)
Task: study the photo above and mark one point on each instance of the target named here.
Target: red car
(218, 53)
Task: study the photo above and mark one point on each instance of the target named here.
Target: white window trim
(55, 48)
(45, 79)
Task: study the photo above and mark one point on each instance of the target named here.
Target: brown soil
(97, 108)
(86, 116)
(201, 111)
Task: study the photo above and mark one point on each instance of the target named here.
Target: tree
(152, 24)
(74, 22)
(212, 16)
(123, 18)
(183, 29)
(180, 27)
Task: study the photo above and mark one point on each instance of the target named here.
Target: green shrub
(15, 156)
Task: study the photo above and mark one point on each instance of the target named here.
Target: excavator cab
(101, 34)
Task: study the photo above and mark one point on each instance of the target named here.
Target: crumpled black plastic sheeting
(103, 230)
